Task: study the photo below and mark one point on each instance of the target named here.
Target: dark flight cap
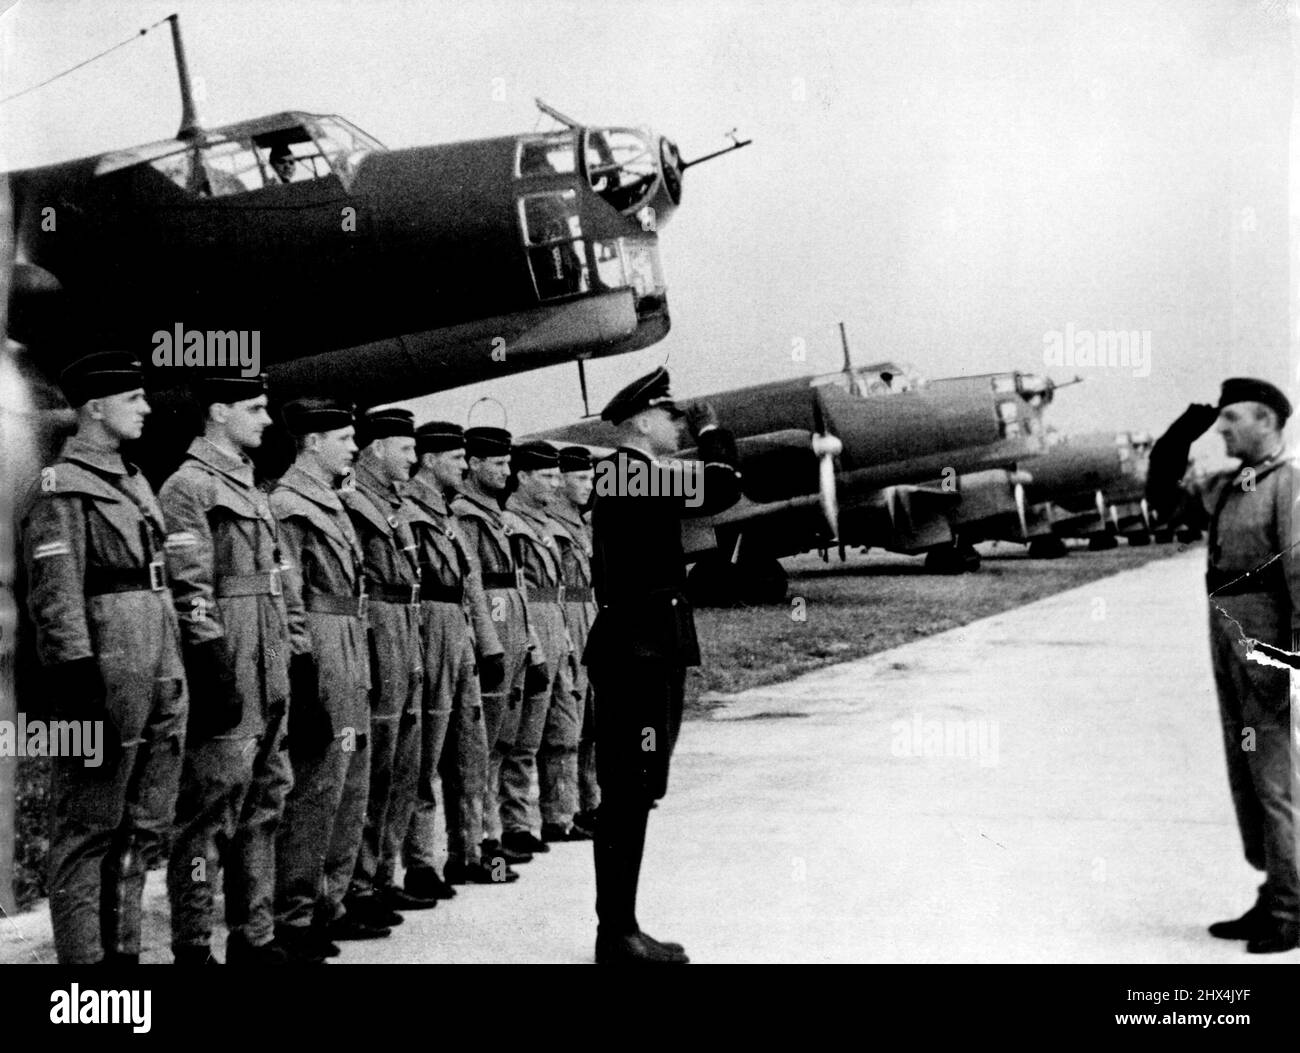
(534, 456)
(101, 374)
(1248, 389)
(308, 415)
(439, 436)
(575, 459)
(648, 392)
(385, 424)
(228, 387)
(487, 442)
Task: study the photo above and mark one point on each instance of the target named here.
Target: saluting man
(329, 684)
(478, 512)
(455, 616)
(223, 553)
(383, 519)
(643, 638)
(572, 775)
(1253, 581)
(107, 638)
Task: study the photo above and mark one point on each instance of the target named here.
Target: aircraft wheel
(1162, 537)
(761, 581)
(1047, 548)
(1102, 543)
(709, 582)
(715, 582)
(969, 559)
(1187, 537)
(945, 560)
(1138, 540)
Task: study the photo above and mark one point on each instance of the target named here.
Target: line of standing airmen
(292, 682)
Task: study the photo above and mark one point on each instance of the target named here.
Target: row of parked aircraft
(381, 275)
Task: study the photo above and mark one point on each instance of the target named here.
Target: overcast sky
(956, 181)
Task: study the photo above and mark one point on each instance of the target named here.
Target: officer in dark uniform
(644, 634)
(1253, 581)
(107, 636)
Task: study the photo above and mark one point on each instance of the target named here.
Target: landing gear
(715, 581)
(1102, 543)
(1189, 535)
(1047, 548)
(952, 559)
(1138, 540)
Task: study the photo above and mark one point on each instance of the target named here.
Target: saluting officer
(383, 519)
(478, 512)
(573, 775)
(539, 545)
(455, 616)
(107, 637)
(644, 636)
(329, 683)
(224, 557)
(1253, 581)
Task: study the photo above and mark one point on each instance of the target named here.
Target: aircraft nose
(670, 160)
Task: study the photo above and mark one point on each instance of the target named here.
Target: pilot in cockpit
(282, 162)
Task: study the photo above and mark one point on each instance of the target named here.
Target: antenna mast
(190, 128)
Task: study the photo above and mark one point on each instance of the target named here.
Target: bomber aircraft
(822, 456)
(355, 270)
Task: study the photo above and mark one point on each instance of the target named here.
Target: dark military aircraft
(353, 269)
(824, 456)
(1082, 486)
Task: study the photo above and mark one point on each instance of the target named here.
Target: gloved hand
(701, 417)
(537, 679)
(80, 694)
(215, 705)
(491, 671)
(310, 727)
(1195, 421)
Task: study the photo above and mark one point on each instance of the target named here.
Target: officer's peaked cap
(648, 392)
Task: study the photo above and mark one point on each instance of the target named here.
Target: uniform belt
(407, 594)
(333, 603)
(673, 596)
(510, 580)
(1269, 580)
(263, 583)
(579, 594)
(546, 594)
(433, 592)
(102, 580)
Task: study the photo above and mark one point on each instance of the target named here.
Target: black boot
(1252, 923)
(240, 952)
(187, 955)
(302, 944)
(523, 841)
(425, 884)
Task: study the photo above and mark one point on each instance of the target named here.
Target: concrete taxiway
(1046, 785)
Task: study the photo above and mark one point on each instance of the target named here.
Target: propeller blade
(1100, 503)
(1020, 509)
(827, 448)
